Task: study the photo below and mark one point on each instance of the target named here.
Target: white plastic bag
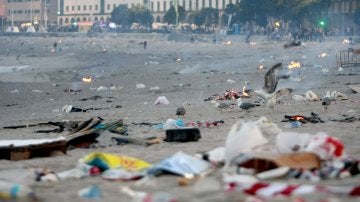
(311, 96)
(161, 100)
(326, 147)
(288, 142)
(266, 127)
(242, 138)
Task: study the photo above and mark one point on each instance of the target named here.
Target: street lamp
(45, 15)
(31, 12)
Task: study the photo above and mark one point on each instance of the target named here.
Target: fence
(350, 57)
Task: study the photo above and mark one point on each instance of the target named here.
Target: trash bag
(181, 164)
(288, 142)
(161, 100)
(326, 147)
(242, 138)
(266, 127)
(311, 96)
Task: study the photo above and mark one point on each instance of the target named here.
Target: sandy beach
(34, 76)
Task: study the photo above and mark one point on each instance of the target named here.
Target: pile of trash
(248, 162)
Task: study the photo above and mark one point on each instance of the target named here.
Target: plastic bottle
(11, 191)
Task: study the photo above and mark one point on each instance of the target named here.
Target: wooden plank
(355, 88)
(31, 151)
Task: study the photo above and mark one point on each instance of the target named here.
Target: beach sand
(34, 78)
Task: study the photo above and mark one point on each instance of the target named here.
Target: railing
(350, 57)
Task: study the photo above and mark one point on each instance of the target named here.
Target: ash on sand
(123, 65)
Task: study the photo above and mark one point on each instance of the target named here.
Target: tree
(255, 10)
(142, 16)
(233, 11)
(210, 15)
(121, 15)
(300, 11)
(170, 15)
(197, 18)
(2, 22)
(206, 16)
(357, 16)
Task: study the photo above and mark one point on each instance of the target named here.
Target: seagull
(326, 101)
(222, 105)
(245, 105)
(267, 92)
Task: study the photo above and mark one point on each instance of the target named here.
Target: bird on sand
(267, 92)
(326, 101)
(221, 106)
(180, 111)
(245, 105)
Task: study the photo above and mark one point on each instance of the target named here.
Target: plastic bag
(267, 127)
(161, 100)
(242, 138)
(106, 161)
(288, 142)
(311, 96)
(181, 164)
(326, 147)
(121, 174)
(91, 192)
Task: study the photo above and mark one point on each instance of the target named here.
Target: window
(132, 5)
(66, 20)
(108, 6)
(217, 4)
(96, 7)
(114, 6)
(164, 6)
(223, 4)
(158, 6)
(79, 8)
(190, 5)
(84, 7)
(72, 8)
(203, 3)
(171, 3)
(84, 19)
(197, 5)
(90, 7)
(210, 3)
(183, 4)
(67, 8)
(152, 6)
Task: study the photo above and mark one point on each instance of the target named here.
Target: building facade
(159, 7)
(71, 11)
(2, 14)
(19, 12)
(2, 8)
(341, 16)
